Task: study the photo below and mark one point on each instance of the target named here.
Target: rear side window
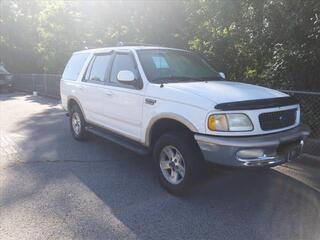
(74, 66)
(98, 70)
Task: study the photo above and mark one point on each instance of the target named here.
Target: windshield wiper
(214, 78)
(175, 79)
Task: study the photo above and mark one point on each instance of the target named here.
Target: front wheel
(178, 160)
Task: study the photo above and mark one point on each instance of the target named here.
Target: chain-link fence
(49, 85)
(43, 84)
(310, 114)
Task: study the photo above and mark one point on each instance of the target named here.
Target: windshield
(166, 65)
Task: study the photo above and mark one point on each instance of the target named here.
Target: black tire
(81, 133)
(193, 161)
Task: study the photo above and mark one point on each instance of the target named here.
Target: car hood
(226, 91)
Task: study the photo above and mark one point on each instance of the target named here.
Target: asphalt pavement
(53, 187)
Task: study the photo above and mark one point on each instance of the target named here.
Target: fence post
(33, 83)
(46, 85)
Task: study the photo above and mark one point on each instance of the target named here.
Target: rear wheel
(77, 123)
(178, 161)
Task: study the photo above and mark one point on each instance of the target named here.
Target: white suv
(173, 104)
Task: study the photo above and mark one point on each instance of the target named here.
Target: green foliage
(269, 42)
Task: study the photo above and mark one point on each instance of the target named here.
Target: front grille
(277, 120)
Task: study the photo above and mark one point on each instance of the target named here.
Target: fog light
(250, 153)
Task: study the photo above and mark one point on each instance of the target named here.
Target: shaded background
(269, 42)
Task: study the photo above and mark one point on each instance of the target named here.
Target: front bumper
(271, 149)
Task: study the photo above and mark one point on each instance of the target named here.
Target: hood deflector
(257, 104)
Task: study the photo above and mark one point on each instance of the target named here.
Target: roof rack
(127, 44)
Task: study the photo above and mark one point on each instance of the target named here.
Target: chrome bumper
(271, 149)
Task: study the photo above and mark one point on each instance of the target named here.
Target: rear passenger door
(93, 88)
(123, 102)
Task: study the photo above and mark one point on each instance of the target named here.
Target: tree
(269, 42)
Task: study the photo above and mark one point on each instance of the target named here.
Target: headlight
(233, 122)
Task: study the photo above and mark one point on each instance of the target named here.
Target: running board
(122, 141)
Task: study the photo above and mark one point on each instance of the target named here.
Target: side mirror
(222, 75)
(125, 76)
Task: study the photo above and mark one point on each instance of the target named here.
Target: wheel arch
(74, 101)
(164, 123)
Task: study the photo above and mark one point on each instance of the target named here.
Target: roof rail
(127, 44)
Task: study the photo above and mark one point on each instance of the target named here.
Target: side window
(96, 72)
(74, 66)
(122, 62)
